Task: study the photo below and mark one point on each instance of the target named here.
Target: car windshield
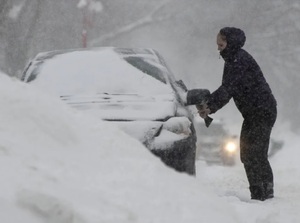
(102, 71)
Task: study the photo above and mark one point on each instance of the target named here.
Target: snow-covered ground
(59, 166)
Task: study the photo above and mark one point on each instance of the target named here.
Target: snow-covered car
(132, 88)
(215, 145)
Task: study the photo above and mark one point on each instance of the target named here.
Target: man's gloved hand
(203, 110)
(199, 97)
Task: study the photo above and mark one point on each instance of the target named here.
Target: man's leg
(255, 135)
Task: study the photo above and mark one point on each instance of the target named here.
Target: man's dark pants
(254, 145)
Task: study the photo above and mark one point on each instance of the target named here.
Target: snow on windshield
(103, 71)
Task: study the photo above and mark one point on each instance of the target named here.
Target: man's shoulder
(243, 53)
(243, 56)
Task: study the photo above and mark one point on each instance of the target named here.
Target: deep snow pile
(59, 166)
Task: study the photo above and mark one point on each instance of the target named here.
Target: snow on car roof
(103, 71)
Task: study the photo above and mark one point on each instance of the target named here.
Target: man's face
(221, 43)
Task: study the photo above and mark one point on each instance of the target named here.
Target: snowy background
(184, 32)
(60, 166)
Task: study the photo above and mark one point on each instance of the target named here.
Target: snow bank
(59, 166)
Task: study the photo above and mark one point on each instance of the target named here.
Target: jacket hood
(235, 39)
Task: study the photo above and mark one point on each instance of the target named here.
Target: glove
(203, 110)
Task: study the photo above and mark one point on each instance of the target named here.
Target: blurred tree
(4, 4)
(21, 19)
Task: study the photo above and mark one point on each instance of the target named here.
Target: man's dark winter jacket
(242, 80)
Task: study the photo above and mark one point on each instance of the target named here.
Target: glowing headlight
(230, 147)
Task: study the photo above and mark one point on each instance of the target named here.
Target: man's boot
(269, 191)
(257, 192)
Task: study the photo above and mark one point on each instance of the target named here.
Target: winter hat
(235, 37)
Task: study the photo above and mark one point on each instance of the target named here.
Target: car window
(146, 67)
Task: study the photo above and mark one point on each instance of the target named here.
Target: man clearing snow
(243, 81)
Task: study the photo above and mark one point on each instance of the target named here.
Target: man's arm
(218, 99)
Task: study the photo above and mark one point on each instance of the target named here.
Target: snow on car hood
(125, 107)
